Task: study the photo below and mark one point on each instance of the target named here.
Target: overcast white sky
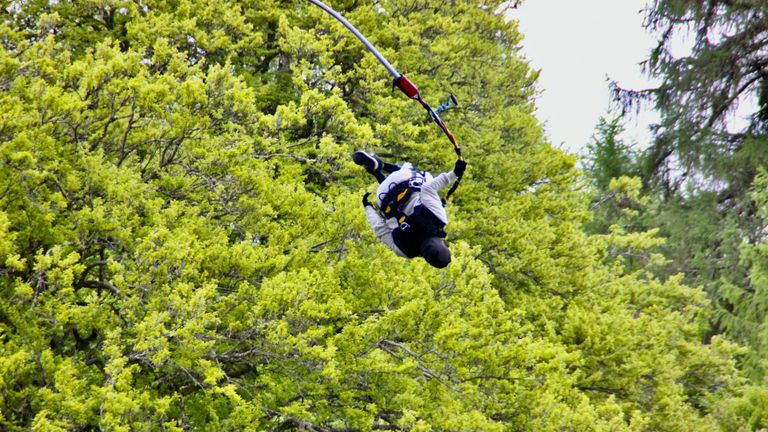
(578, 45)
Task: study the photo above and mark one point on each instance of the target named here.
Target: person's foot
(369, 161)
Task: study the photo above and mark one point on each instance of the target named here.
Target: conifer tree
(702, 163)
(182, 248)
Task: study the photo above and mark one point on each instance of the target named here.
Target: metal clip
(416, 182)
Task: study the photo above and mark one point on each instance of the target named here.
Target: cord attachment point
(406, 86)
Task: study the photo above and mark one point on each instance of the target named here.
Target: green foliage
(700, 168)
(608, 157)
(181, 243)
(746, 318)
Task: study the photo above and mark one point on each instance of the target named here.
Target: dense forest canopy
(182, 245)
(702, 171)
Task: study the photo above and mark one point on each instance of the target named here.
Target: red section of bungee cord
(409, 88)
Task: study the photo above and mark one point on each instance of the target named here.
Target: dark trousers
(387, 168)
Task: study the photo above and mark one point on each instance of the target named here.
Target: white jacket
(428, 197)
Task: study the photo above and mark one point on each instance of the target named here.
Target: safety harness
(416, 226)
(394, 201)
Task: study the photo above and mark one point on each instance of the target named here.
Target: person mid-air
(411, 219)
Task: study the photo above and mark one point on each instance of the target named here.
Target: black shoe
(369, 161)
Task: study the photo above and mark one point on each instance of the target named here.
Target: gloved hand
(459, 168)
(365, 199)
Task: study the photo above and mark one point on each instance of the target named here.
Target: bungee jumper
(412, 217)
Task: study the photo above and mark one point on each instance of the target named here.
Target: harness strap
(393, 202)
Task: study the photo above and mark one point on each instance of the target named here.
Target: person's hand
(365, 199)
(459, 168)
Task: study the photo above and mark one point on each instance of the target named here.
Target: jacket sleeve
(440, 182)
(381, 229)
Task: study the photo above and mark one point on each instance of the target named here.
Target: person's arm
(377, 222)
(440, 182)
(445, 179)
(380, 227)
(429, 196)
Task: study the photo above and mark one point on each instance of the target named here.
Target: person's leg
(389, 168)
(374, 165)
